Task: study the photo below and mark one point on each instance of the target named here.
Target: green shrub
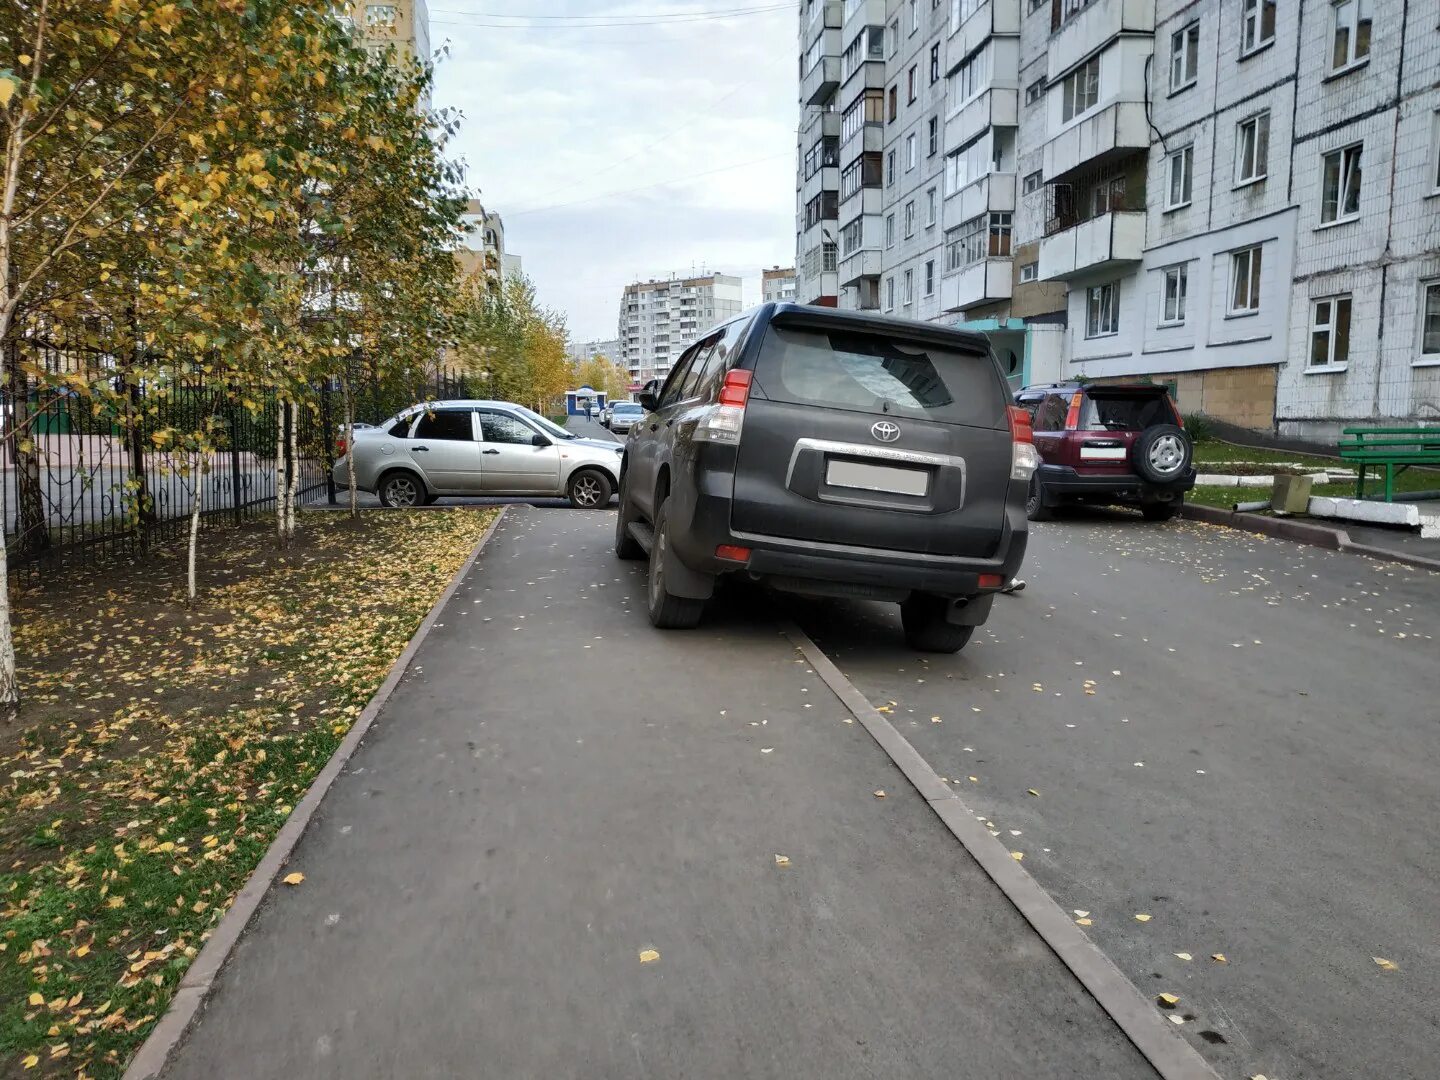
(1199, 426)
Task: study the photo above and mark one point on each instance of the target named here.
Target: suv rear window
(870, 373)
(1125, 411)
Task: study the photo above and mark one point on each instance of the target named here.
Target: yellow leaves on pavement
(782, 860)
(1142, 917)
(1168, 999)
(880, 794)
(293, 879)
(1219, 958)
(1018, 856)
(649, 956)
(1184, 956)
(1385, 965)
(1083, 922)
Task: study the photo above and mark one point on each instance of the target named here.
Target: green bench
(1394, 449)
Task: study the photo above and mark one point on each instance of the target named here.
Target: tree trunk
(293, 469)
(280, 473)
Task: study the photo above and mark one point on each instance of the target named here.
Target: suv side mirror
(539, 440)
(649, 399)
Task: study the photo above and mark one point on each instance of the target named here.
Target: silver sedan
(467, 447)
(625, 415)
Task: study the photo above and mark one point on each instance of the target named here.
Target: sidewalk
(557, 787)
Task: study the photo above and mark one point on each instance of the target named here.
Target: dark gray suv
(831, 453)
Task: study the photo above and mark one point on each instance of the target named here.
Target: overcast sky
(590, 140)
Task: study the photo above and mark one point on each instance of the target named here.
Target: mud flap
(970, 611)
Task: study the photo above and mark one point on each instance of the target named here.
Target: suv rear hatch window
(1125, 410)
(875, 440)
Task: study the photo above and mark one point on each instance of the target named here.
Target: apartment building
(1238, 197)
(658, 319)
(483, 246)
(404, 24)
(777, 284)
(583, 351)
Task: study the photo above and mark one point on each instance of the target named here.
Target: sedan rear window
(870, 373)
(1125, 412)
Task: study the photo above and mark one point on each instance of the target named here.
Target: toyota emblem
(885, 431)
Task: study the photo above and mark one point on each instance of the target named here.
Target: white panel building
(1238, 197)
(658, 319)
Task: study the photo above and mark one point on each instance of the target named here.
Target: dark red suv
(1112, 443)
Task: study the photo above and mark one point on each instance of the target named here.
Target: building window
(1000, 232)
(1184, 57)
(1245, 281)
(909, 287)
(911, 152)
(867, 109)
(1257, 25)
(930, 207)
(1102, 310)
(1340, 185)
(1330, 332)
(965, 244)
(1029, 272)
(827, 256)
(935, 137)
(1435, 152)
(890, 294)
(894, 37)
(889, 230)
(910, 81)
(930, 277)
(1032, 182)
(910, 219)
(1035, 91)
(894, 110)
(969, 79)
(851, 236)
(1082, 89)
(934, 64)
(914, 16)
(890, 168)
(379, 16)
(1350, 33)
(1180, 169)
(1430, 320)
(1252, 148)
(1177, 285)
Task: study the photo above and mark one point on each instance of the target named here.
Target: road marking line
(1170, 1055)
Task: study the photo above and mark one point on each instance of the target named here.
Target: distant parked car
(479, 448)
(1107, 443)
(605, 414)
(625, 415)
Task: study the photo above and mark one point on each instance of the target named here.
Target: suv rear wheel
(1035, 508)
(923, 617)
(626, 546)
(668, 612)
(1162, 453)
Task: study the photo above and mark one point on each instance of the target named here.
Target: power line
(659, 15)
(647, 187)
(477, 20)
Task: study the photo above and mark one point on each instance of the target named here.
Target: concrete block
(1378, 513)
(1291, 494)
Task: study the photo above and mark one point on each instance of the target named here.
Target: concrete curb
(1303, 532)
(200, 977)
(1169, 1054)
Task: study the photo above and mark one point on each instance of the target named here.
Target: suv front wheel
(926, 629)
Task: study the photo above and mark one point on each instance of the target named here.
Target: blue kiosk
(578, 401)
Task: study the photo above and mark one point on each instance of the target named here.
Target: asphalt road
(1256, 769)
(556, 792)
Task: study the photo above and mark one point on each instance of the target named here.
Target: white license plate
(886, 478)
(1103, 453)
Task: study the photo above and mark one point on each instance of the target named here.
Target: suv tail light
(1180, 420)
(1072, 414)
(724, 420)
(1024, 458)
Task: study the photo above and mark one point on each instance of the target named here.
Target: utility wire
(678, 21)
(721, 13)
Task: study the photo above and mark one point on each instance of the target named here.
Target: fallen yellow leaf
(1080, 914)
(974, 779)
(648, 956)
(1176, 1019)
(30, 1061)
(1219, 957)
(1184, 956)
(37, 999)
(293, 879)
(879, 794)
(1142, 918)
(1386, 965)
(1032, 791)
(1169, 999)
(782, 860)
(1017, 855)
(1083, 922)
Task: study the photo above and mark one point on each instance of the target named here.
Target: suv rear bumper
(1060, 481)
(835, 568)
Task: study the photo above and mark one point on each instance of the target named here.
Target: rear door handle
(489, 451)
(419, 449)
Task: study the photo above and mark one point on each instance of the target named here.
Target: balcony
(1099, 139)
(1110, 241)
(869, 140)
(825, 179)
(822, 232)
(993, 191)
(1083, 28)
(868, 200)
(869, 75)
(866, 262)
(983, 282)
(829, 15)
(819, 121)
(991, 17)
(822, 80)
(996, 107)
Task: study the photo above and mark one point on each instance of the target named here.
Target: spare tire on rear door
(1162, 453)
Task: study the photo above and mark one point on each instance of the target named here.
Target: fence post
(327, 443)
(237, 501)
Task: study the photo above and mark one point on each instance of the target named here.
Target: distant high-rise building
(777, 284)
(484, 244)
(658, 319)
(581, 351)
(404, 24)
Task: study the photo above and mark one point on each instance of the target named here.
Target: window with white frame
(930, 277)
(910, 219)
(1001, 233)
(1349, 33)
(1257, 25)
(969, 79)
(914, 16)
(1032, 182)
(970, 163)
(911, 152)
(1035, 91)
(890, 293)
(380, 15)
(1029, 271)
(1102, 310)
(889, 230)
(934, 136)
(934, 64)
(1245, 281)
(1340, 184)
(965, 244)
(894, 41)
(1184, 56)
(851, 237)
(1081, 91)
(1435, 152)
(1430, 320)
(1179, 169)
(1252, 148)
(1175, 288)
(890, 168)
(1330, 331)
(930, 207)
(909, 293)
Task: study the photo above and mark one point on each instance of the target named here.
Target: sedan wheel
(402, 490)
(589, 490)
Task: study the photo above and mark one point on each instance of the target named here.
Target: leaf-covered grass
(161, 747)
(1254, 461)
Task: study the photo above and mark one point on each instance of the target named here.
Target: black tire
(1162, 453)
(923, 617)
(1160, 511)
(431, 500)
(626, 546)
(668, 612)
(589, 489)
(1035, 508)
(403, 490)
